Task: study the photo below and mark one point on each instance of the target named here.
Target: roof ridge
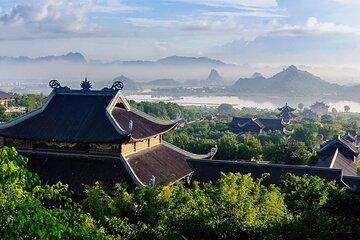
(334, 158)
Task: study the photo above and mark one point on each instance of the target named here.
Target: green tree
(249, 147)
(228, 147)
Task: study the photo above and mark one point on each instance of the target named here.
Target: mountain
(69, 57)
(257, 75)
(214, 77)
(190, 61)
(163, 82)
(129, 84)
(289, 82)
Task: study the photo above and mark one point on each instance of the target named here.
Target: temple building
(319, 108)
(240, 125)
(286, 113)
(82, 136)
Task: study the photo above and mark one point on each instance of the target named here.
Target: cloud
(113, 6)
(57, 17)
(242, 14)
(314, 27)
(232, 3)
(348, 2)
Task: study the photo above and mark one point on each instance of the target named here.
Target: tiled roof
(85, 116)
(338, 160)
(210, 170)
(143, 127)
(338, 140)
(68, 118)
(267, 123)
(77, 170)
(161, 161)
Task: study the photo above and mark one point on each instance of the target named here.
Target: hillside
(163, 82)
(129, 84)
(289, 82)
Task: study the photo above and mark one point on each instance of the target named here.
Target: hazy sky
(239, 31)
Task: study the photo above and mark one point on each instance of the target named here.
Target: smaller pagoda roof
(144, 126)
(338, 160)
(286, 108)
(166, 162)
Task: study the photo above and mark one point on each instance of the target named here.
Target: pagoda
(82, 136)
(286, 113)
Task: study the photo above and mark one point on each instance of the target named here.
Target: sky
(321, 32)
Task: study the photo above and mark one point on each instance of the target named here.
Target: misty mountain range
(289, 82)
(75, 57)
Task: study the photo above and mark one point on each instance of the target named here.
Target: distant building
(286, 113)
(319, 108)
(82, 136)
(241, 125)
(6, 98)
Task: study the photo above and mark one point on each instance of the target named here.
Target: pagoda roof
(85, 116)
(144, 126)
(286, 108)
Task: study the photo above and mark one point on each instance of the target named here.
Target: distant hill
(129, 84)
(289, 82)
(69, 57)
(257, 75)
(163, 82)
(214, 77)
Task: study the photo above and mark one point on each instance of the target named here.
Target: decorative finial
(54, 84)
(86, 85)
(118, 85)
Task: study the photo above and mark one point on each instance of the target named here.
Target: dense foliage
(24, 213)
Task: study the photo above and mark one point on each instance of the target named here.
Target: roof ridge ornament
(54, 84)
(118, 85)
(86, 85)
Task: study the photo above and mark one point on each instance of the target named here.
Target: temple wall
(154, 141)
(141, 145)
(127, 149)
(130, 148)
